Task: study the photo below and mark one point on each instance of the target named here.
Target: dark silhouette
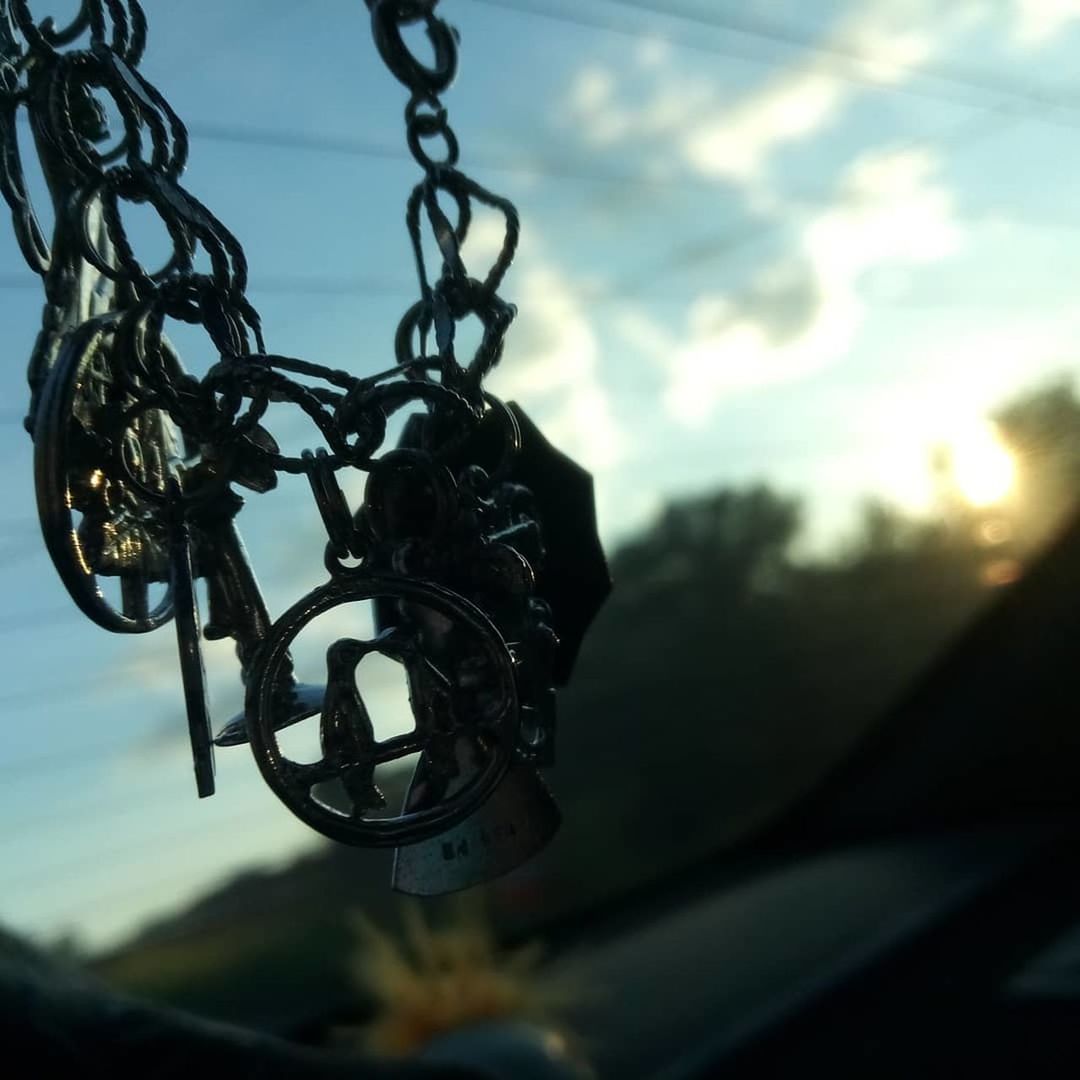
(346, 733)
(722, 681)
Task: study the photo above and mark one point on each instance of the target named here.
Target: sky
(761, 241)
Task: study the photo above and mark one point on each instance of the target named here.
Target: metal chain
(455, 295)
(137, 460)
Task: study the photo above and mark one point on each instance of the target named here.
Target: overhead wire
(155, 841)
(959, 135)
(785, 34)
(59, 816)
(359, 147)
(755, 25)
(100, 901)
(34, 765)
(14, 622)
(10, 623)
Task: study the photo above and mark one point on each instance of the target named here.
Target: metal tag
(513, 825)
(192, 672)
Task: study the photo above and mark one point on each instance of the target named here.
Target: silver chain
(137, 461)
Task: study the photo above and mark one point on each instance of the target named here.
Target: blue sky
(804, 250)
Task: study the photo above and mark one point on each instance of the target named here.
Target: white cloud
(799, 317)
(551, 367)
(592, 90)
(882, 42)
(652, 52)
(152, 664)
(737, 144)
(1037, 21)
(487, 232)
(552, 357)
(595, 105)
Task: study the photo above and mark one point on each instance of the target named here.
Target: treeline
(722, 679)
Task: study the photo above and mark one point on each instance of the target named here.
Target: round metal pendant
(461, 684)
(119, 535)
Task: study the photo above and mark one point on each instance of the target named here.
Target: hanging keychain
(475, 543)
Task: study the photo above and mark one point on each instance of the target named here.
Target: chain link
(455, 295)
(137, 459)
(57, 88)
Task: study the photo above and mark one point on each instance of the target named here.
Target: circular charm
(119, 535)
(461, 685)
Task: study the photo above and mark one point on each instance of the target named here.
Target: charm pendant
(516, 823)
(462, 685)
(474, 552)
(192, 670)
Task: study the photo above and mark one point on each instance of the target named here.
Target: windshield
(797, 288)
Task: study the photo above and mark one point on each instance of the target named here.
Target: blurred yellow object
(440, 980)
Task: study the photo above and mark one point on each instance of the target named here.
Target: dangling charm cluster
(475, 541)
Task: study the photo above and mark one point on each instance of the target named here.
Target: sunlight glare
(983, 468)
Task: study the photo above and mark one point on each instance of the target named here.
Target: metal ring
(333, 509)
(373, 405)
(130, 478)
(512, 431)
(44, 38)
(33, 244)
(292, 782)
(417, 319)
(432, 125)
(53, 456)
(108, 189)
(139, 103)
(387, 18)
(80, 73)
(223, 419)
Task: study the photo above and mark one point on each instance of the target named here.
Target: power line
(27, 768)
(278, 139)
(10, 525)
(51, 691)
(205, 832)
(209, 891)
(547, 168)
(12, 623)
(323, 286)
(108, 899)
(122, 804)
(59, 760)
(980, 82)
(785, 33)
(349, 146)
(301, 285)
(965, 133)
(17, 622)
(788, 35)
(28, 282)
(730, 240)
(569, 169)
(352, 146)
(12, 555)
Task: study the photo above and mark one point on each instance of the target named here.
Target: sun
(983, 469)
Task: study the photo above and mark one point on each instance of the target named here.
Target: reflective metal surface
(475, 541)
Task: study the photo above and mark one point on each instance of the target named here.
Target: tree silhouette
(721, 680)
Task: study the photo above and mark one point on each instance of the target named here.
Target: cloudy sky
(765, 239)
